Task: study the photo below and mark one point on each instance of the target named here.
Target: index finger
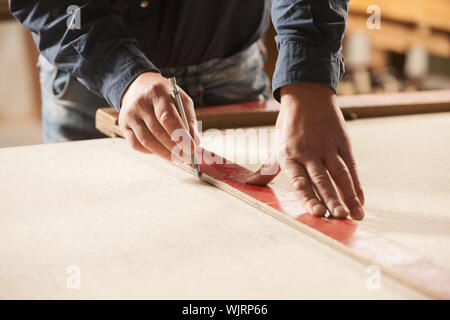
(167, 114)
(191, 116)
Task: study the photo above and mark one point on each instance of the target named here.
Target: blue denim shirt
(111, 42)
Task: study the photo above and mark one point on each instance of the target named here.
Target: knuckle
(330, 193)
(155, 89)
(299, 183)
(308, 155)
(147, 142)
(158, 131)
(332, 203)
(166, 118)
(320, 179)
(342, 171)
(352, 200)
(352, 167)
(138, 128)
(301, 153)
(128, 117)
(288, 153)
(140, 102)
(310, 202)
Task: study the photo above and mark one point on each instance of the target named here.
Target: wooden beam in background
(429, 13)
(397, 37)
(252, 114)
(353, 107)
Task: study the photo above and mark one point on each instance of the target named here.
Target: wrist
(307, 95)
(145, 77)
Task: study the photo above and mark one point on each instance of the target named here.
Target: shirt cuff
(300, 62)
(119, 69)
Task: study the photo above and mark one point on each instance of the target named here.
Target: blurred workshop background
(408, 49)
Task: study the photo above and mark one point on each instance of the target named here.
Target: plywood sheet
(139, 227)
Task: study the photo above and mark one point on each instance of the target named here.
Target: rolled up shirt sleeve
(99, 51)
(309, 36)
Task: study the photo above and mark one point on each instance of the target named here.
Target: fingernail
(319, 209)
(357, 213)
(340, 212)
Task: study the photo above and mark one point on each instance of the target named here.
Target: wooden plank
(106, 121)
(394, 104)
(348, 237)
(353, 107)
(251, 114)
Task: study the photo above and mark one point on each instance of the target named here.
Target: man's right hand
(148, 116)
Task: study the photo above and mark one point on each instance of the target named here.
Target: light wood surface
(139, 227)
(96, 204)
(364, 245)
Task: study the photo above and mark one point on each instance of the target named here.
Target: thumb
(268, 171)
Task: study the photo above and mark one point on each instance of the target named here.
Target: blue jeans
(68, 108)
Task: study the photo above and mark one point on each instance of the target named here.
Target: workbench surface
(140, 227)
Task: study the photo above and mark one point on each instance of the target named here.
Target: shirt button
(144, 4)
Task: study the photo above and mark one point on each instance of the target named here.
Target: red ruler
(349, 237)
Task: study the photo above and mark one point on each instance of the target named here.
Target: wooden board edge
(264, 114)
(106, 121)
